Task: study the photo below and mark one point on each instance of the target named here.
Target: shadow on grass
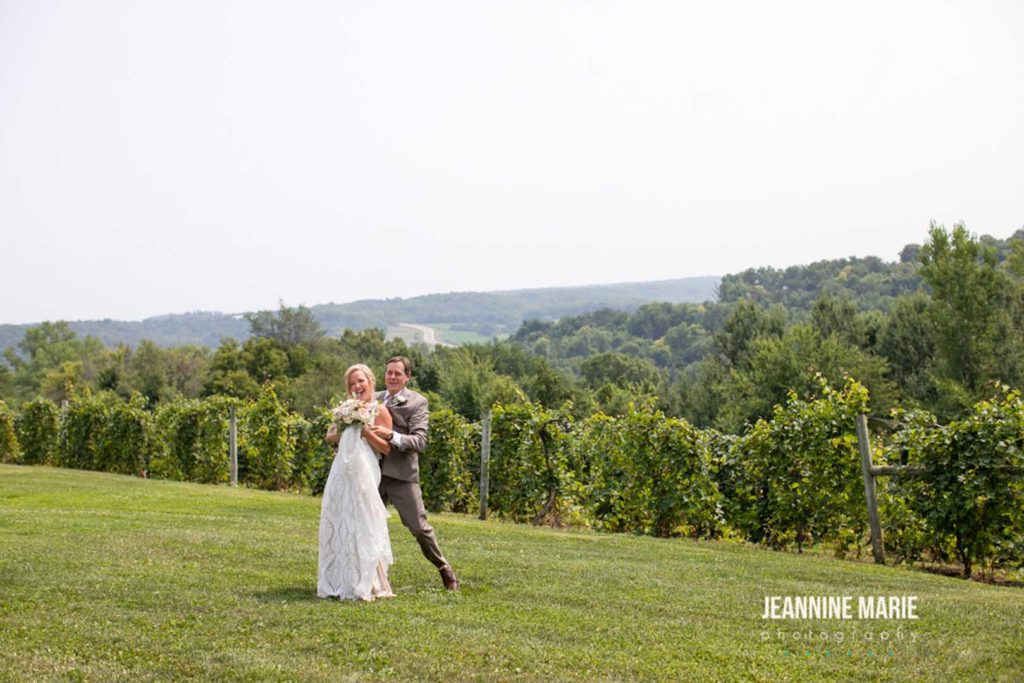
(301, 593)
(994, 578)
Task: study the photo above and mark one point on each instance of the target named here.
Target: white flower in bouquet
(352, 410)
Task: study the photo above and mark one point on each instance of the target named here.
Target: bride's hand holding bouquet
(351, 411)
(354, 410)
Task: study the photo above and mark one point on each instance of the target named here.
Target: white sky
(160, 157)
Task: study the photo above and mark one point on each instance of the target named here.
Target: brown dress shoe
(448, 576)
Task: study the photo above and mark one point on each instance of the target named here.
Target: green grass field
(105, 577)
(457, 337)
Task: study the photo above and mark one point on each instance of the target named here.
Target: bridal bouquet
(353, 410)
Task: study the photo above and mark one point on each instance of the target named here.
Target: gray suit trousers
(408, 500)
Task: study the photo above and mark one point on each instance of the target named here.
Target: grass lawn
(107, 577)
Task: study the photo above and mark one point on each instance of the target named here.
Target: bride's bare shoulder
(384, 417)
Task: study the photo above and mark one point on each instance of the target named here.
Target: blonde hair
(365, 370)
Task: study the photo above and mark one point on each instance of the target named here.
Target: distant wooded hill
(487, 314)
(934, 330)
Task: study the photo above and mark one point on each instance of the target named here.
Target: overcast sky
(164, 157)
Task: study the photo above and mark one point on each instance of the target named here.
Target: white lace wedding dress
(355, 549)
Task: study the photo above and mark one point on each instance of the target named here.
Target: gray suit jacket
(410, 417)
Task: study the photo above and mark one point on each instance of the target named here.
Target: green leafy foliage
(38, 427)
(51, 361)
(125, 438)
(103, 432)
(469, 384)
(978, 339)
(228, 374)
(81, 428)
(529, 473)
(907, 341)
(266, 452)
(906, 533)
(646, 473)
(450, 464)
(288, 326)
(193, 440)
(10, 450)
(869, 279)
(792, 480)
(801, 470)
(928, 331)
(971, 490)
(313, 456)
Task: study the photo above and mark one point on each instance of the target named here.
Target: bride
(355, 549)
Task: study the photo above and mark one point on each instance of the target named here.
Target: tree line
(932, 332)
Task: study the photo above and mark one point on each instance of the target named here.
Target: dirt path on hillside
(429, 334)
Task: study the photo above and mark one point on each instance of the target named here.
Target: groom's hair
(406, 363)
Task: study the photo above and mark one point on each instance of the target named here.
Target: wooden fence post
(877, 548)
(485, 461)
(233, 445)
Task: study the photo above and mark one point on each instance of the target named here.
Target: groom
(400, 469)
